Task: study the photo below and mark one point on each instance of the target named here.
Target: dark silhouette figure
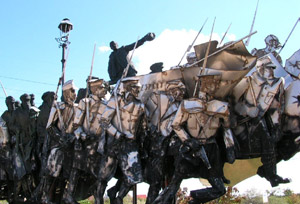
(118, 59)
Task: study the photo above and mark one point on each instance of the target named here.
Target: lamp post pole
(65, 27)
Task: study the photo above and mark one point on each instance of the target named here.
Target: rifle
(3, 89)
(190, 46)
(205, 58)
(220, 50)
(225, 34)
(124, 74)
(248, 40)
(87, 91)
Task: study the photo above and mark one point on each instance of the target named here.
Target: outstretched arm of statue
(147, 37)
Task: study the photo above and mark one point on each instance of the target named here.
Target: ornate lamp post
(65, 27)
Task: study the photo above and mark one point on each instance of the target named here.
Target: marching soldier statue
(161, 108)
(196, 123)
(24, 158)
(7, 146)
(122, 120)
(291, 117)
(88, 131)
(272, 44)
(60, 130)
(41, 148)
(259, 104)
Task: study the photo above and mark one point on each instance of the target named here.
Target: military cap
(25, 97)
(47, 94)
(69, 85)
(10, 99)
(97, 82)
(265, 61)
(156, 67)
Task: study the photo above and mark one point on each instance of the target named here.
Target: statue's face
(10, 104)
(69, 95)
(100, 92)
(266, 72)
(25, 102)
(135, 90)
(177, 94)
(113, 45)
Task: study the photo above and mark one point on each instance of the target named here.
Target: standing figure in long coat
(118, 59)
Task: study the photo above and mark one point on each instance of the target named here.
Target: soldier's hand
(192, 143)
(149, 37)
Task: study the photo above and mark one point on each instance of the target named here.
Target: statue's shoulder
(192, 105)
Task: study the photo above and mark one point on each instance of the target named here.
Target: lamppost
(65, 27)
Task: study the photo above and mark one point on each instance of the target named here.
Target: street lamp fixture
(65, 27)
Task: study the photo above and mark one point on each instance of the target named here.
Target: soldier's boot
(208, 194)
(71, 187)
(124, 189)
(112, 192)
(153, 192)
(46, 190)
(100, 192)
(268, 171)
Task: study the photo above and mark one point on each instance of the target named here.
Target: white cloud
(104, 48)
(168, 47)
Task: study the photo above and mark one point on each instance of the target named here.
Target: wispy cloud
(168, 47)
(104, 48)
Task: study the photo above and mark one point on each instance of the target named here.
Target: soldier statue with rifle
(60, 129)
(88, 131)
(196, 123)
(161, 109)
(122, 120)
(42, 141)
(258, 106)
(24, 158)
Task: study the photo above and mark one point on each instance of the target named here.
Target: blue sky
(28, 49)
(29, 52)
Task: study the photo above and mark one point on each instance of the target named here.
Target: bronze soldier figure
(60, 129)
(161, 108)
(88, 131)
(259, 104)
(24, 125)
(196, 123)
(122, 148)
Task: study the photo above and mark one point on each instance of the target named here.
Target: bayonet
(288, 36)
(251, 29)
(190, 46)
(225, 47)
(225, 34)
(87, 91)
(3, 89)
(206, 56)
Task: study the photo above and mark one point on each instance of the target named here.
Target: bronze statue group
(63, 152)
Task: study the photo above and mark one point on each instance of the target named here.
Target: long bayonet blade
(251, 29)
(190, 46)
(206, 56)
(288, 36)
(3, 89)
(87, 91)
(225, 34)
